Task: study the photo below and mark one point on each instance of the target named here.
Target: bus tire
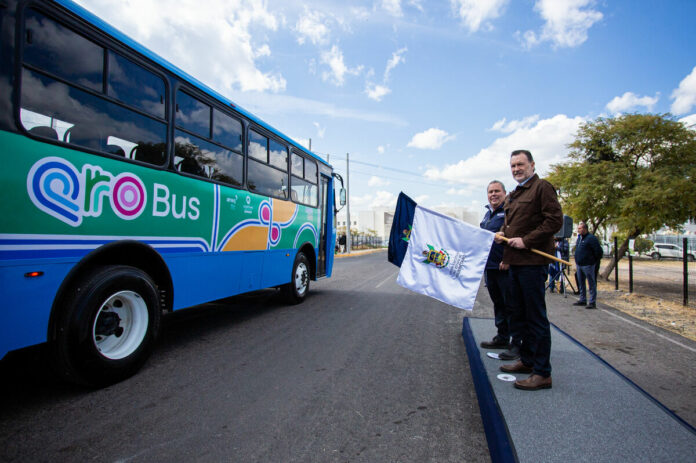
(296, 291)
(108, 328)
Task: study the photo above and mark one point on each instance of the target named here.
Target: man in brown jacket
(532, 217)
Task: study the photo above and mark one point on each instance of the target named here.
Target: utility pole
(348, 202)
(310, 144)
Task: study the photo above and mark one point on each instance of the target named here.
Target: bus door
(323, 207)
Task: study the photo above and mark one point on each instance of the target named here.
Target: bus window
(277, 155)
(297, 165)
(60, 69)
(192, 115)
(135, 86)
(267, 170)
(91, 120)
(227, 130)
(201, 158)
(258, 146)
(304, 181)
(61, 52)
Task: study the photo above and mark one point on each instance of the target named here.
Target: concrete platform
(592, 413)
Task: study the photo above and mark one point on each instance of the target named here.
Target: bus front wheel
(108, 327)
(296, 291)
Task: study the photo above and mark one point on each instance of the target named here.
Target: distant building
(379, 220)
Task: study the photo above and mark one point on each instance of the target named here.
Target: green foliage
(635, 171)
(643, 245)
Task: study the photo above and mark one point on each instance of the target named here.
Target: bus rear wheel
(108, 328)
(296, 291)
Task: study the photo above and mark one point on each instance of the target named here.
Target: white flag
(445, 258)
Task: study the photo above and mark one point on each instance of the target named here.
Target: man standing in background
(588, 253)
(496, 275)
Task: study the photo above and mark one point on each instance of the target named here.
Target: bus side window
(267, 167)
(304, 180)
(202, 158)
(62, 83)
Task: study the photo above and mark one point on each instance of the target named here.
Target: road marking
(650, 331)
(386, 279)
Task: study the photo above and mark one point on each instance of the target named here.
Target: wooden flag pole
(541, 253)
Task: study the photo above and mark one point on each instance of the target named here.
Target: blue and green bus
(131, 190)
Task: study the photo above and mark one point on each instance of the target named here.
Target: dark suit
(533, 213)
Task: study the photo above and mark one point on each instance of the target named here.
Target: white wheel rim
(132, 312)
(301, 278)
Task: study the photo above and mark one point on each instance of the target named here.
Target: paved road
(363, 371)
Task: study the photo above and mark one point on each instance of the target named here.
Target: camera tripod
(563, 279)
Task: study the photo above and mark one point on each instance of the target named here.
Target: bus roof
(118, 35)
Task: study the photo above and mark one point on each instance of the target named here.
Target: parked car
(660, 251)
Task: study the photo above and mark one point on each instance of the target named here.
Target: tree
(636, 172)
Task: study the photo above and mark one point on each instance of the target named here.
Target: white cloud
(689, 121)
(380, 149)
(268, 104)
(320, 130)
(460, 191)
(311, 26)
(373, 200)
(566, 22)
(393, 7)
(396, 58)
(507, 127)
(421, 199)
(685, 96)
(474, 13)
(376, 92)
(630, 100)
(431, 139)
(547, 140)
(338, 69)
(377, 182)
(181, 32)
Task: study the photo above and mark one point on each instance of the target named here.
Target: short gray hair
(499, 183)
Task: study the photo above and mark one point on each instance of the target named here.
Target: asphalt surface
(362, 371)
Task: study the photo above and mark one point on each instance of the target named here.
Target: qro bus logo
(56, 187)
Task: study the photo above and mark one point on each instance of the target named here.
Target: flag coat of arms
(444, 258)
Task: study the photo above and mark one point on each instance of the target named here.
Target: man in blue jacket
(588, 253)
(497, 276)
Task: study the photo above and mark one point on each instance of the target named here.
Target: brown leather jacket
(532, 212)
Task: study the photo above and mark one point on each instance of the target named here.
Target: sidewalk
(358, 252)
(658, 361)
(601, 417)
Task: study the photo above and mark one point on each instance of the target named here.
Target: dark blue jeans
(528, 316)
(498, 284)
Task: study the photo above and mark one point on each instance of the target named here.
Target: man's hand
(503, 266)
(499, 237)
(516, 243)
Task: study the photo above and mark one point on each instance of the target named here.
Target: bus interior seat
(84, 136)
(115, 149)
(44, 131)
(293, 194)
(148, 154)
(191, 166)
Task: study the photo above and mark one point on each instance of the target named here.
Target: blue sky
(436, 93)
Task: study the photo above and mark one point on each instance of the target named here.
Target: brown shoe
(533, 383)
(517, 367)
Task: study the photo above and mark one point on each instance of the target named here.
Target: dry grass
(666, 314)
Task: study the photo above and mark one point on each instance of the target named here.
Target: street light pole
(348, 240)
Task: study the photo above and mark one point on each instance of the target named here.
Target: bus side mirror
(342, 196)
